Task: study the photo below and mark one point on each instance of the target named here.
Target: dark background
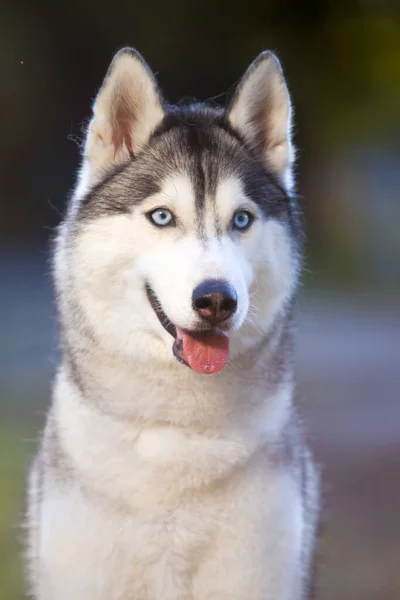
(342, 61)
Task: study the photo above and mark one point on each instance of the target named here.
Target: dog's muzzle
(204, 351)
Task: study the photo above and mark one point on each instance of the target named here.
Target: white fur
(152, 505)
(154, 482)
(185, 498)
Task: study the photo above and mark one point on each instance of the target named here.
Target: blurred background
(342, 60)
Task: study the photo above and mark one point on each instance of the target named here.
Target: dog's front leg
(258, 553)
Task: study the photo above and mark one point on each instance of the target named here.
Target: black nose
(214, 300)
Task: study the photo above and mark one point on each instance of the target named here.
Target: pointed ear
(127, 109)
(261, 111)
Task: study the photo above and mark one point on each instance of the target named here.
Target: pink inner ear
(260, 133)
(123, 122)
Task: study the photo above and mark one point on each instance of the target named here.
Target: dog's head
(182, 237)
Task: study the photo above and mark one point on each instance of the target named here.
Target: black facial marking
(217, 221)
(176, 351)
(198, 141)
(161, 316)
(118, 192)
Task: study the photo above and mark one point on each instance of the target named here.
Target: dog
(172, 465)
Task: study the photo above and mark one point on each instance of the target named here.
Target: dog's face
(183, 236)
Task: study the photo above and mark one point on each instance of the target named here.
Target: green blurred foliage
(15, 454)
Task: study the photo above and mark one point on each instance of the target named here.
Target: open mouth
(205, 351)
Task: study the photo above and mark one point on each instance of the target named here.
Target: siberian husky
(172, 465)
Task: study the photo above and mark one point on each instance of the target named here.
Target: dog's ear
(127, 109)
(261, 111)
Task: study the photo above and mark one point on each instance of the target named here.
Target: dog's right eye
(161, 217)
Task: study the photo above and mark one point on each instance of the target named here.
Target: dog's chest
(146, 553)
(151, 467)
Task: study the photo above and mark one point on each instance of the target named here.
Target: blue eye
(161, 217)
(242, 220)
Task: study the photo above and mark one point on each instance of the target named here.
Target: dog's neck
(171, 393)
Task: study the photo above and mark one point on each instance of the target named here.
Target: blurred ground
(348, 354)
(348, 368)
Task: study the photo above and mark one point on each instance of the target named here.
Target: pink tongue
(204, 352)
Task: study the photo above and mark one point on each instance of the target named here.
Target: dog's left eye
(242, 220)
(161, 217)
